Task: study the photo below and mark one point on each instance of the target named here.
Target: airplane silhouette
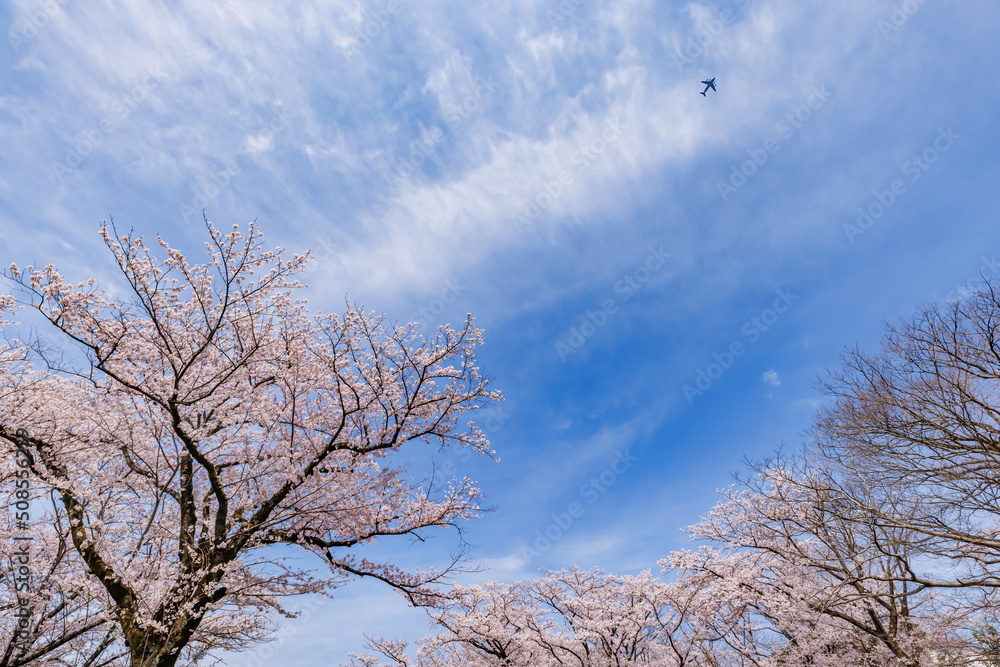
(709, 84)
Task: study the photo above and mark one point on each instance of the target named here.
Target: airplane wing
(707, 83)
(713, 86)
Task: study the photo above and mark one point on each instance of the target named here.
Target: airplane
(709, 84)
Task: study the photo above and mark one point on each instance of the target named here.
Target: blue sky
(408, 158)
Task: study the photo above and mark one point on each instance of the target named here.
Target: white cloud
(230, 64)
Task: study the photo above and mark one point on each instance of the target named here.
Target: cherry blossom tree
(201, 435)
(785, 582)
(574, 617)
(878, 546)
(66, 619)
(565, 617)
(51, 610)
(831, 588)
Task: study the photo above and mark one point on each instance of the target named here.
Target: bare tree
(911, 438)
